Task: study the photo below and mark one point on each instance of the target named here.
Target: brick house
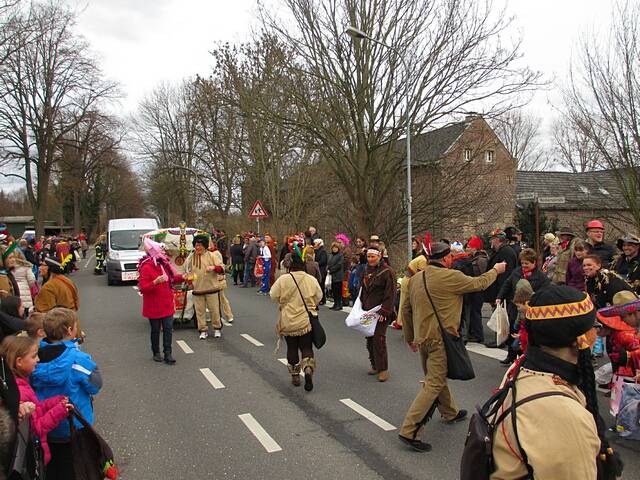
(464, 180)
(575, 198)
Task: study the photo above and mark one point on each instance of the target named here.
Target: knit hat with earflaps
(558, 316)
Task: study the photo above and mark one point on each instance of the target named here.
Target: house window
(468, 157)
(489, 156)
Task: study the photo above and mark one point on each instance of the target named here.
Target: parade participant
(22, 357)
(575, 273)
(8, 284)
(311, 266)
(557, 364)
(626, 305)
(250, 258)
(323, 261)
(156, 278)
(335, 267)
(101, 252)
(595, 236)
(225, 305)
(264, 253)
(58, 290)
(207, 284)
(422, 332)
(528, 271)
(84, 246)
(297, 294)
(237, 261)
(378, 288)
(601, 283)
(622, 342)
(628, 264)
(474, 268)
(416, 265)
(65, 370)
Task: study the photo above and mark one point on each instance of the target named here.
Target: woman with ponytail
(557, 431)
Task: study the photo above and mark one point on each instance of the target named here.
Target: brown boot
(308, 366)
(383, 376)
(294, 370)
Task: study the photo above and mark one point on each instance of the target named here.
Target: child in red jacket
(22, 357)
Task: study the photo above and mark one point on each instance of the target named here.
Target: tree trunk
(76, 211)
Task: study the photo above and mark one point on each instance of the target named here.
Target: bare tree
(519, 131)
(602, 100)
(47, 86)
(350, 94)
(574, 149)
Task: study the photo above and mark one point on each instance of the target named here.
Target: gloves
(218, 269)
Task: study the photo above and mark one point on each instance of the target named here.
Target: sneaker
(217, 333)
(204, 335)
(462, 414)
(230, 320)
(417, 445)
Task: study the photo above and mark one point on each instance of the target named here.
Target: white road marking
(137, 290)
(250, 339)
(183, 345)
(286, 364)
(481, 349)
(372, 417)
(211, 378)
(89, 260)
(260, 433)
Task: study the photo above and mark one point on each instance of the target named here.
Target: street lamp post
(356, 33)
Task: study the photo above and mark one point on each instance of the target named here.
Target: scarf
(541, 361)
(527, 273)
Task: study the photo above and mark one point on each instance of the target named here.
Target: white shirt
(265, 253)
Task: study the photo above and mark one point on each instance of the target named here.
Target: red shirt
(157, 300)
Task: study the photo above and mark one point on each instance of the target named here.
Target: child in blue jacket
(64, 370)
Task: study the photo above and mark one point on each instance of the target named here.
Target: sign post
(258, 212)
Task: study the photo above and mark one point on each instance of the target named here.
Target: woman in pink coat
(157, 275)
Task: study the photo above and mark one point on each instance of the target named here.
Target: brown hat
(439, 250)
(565, 231)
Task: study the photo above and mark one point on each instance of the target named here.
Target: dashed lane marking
(481, 349)
(89, 260)
(135, 287)
(211, 378)
(372, 417)
(260, 433)
(286, 364)
(183, 345)
(250, 339)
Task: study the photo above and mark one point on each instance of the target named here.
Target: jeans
(265, 276)
(166, 324)
(476, 326)
(248, 274)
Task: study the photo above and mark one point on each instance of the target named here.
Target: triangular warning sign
(258, 211)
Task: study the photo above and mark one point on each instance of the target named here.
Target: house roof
(433, 145)
(568, 190)
(17, 219)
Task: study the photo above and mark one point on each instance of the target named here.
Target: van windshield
(126, 239)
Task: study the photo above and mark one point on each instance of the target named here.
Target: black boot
(511, 356)
(168, 358)
(157, 357)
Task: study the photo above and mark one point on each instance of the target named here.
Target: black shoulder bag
(317, 332)
(459, 365)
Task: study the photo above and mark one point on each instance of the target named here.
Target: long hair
(610, 464)
(13, 347)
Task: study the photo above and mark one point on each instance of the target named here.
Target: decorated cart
(178, 244)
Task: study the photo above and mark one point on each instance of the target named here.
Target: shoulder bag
(459, 365)
(317, 332)
(92, 456)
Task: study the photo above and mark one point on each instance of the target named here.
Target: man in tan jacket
(209, 280)
(422, 333)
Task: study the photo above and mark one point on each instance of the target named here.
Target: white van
(124, 237)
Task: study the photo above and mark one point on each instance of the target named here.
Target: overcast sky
(144, 42)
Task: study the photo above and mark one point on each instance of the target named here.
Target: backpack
(477, 457)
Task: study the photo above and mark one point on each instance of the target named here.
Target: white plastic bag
(604, 374)
(364, 321)
(327, 281)
(499, 323)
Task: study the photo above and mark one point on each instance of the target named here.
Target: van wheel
(110, 281)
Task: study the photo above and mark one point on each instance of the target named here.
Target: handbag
(92, 456)
(363, 321)
(318, 334)
(459, 365)
(27, 462)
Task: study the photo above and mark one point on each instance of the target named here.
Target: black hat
(558, 315)
(202, 239)
(628, 238)
(439, 250)
(565, 231)
(54, 266)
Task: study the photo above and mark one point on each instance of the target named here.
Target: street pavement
(227, 409)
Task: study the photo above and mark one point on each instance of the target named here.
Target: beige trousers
(226, 306)
(433, 359)
(210, 301)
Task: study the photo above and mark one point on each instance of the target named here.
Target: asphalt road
(176, 422)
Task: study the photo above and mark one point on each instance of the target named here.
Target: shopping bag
(618, 384)
(327, 281)
(628, 418)
(604, 374)
(363, 321)
(499, 323)
(258, 270)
